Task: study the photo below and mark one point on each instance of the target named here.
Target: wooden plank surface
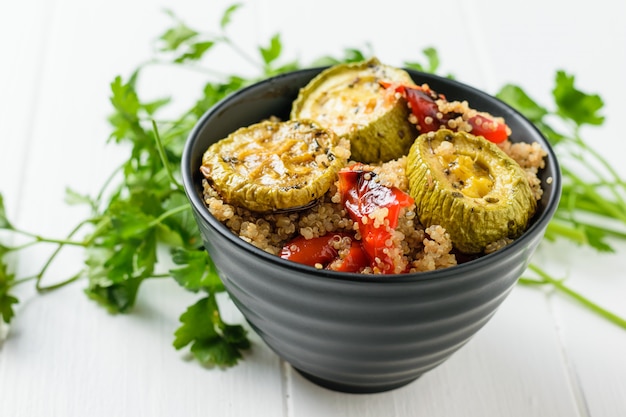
(541, 355)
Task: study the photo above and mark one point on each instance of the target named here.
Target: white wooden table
(541, 355)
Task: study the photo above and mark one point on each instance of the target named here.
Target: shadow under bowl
(350, 332)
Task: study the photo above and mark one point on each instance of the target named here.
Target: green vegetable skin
(147, 207)
(273, 166)
(347, 98)
(472, 221)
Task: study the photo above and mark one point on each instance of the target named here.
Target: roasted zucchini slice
(273, 166)
(470, 187)
(349, 99)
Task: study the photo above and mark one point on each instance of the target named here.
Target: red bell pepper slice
(424, 107)
(310, 251)
(321, 251)
(489, 128)
(355, 261)
(362, 195)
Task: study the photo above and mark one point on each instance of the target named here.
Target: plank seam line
(570, 368)
(36, 96)
(286, 382)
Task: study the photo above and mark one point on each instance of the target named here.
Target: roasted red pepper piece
(355, 261)
(362, 195)
(310, 251)
(488, 128)
(424, 107)
(321, 250)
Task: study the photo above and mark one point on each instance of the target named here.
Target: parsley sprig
(141, 212)
(593, 197)
(592, 209)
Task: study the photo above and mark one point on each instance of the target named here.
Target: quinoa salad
(368, 215)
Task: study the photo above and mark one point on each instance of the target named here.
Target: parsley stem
(161, 276)
(163, 156)
(529, 281)
(556, 227)
(612, 187)
(41, 288)
(611, 208)
(577, 233)
(598, 157)
(169, 213)
(22, 280)
(558, 284)
(241, 52)
(578, 202)
(42, 239)
(105, 185)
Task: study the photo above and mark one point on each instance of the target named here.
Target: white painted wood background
(541, 355)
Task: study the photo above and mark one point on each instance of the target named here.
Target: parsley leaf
(6, 300)
(517, 97)
(578, 195)
(73, 197)
(227, 16)
(196, 270)
(177, 35)
(272, 51)
(574, 104)
(7, 280)
(116, 271)
(179, 229)
(195, 51)
(124, 99)
(349, 55)
(212, 341)
(432, 63)
(4, 221)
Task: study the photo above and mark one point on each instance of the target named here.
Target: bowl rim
(538, 224)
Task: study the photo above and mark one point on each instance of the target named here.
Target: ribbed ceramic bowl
(350, 332)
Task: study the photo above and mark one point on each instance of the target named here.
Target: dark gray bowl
(351, 332)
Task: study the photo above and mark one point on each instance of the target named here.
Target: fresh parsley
(141, 208)
(592, 210)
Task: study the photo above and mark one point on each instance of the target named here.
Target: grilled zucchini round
(349, 99)
(275, 166)
(470, 187)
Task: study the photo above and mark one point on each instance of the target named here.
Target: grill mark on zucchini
(275, 166)
(472, 221)
(349, 99)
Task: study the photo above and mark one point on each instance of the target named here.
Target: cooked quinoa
(367, 217)
(412, 247)
(531, 157)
